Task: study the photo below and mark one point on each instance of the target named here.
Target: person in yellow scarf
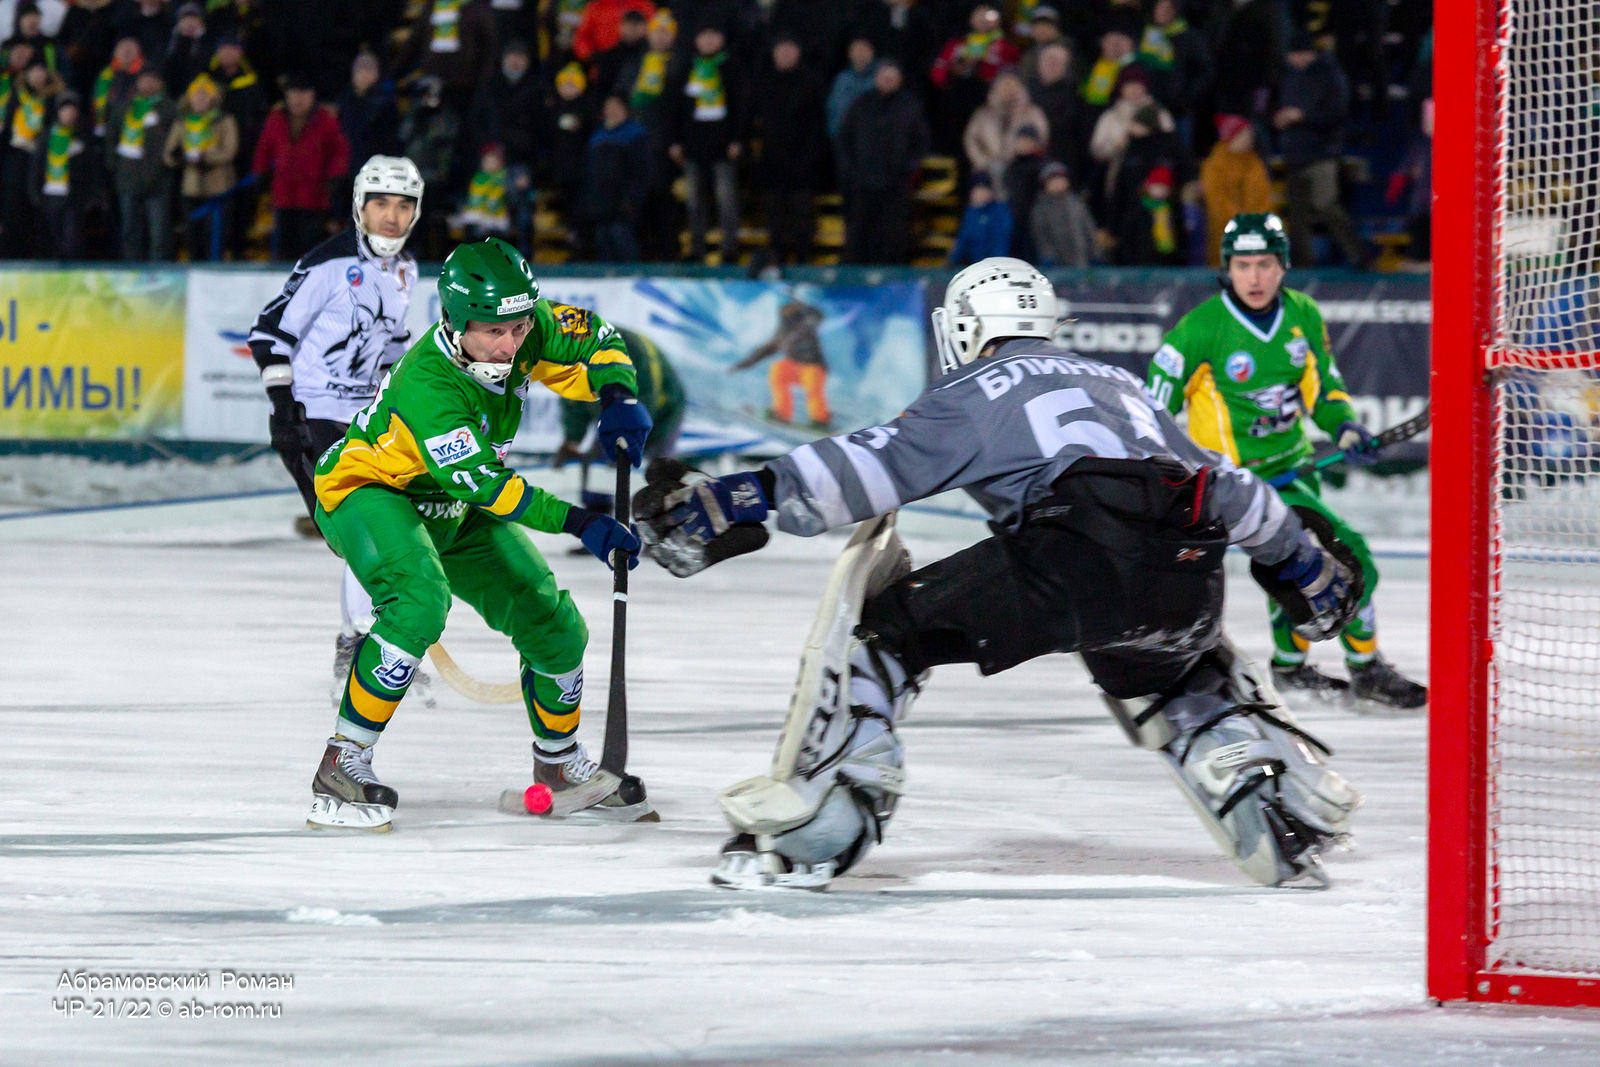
(60, 176)
(136, 133)
(203, 142)
(487, 211)
(24, 116)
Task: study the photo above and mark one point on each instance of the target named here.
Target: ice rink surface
(1044, 896)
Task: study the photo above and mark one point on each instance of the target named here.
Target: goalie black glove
(689, 520)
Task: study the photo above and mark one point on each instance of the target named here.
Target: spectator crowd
(1082, 131)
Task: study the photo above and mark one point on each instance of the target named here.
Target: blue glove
(1317, 575)
(621, 415)
(1356, 441)
(602, 535)
(705, 509)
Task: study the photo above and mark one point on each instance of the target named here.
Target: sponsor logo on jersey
(510, 305)
(441, 509)
(1299, 349)
(392, 671)
(353, 274)
(1240, 366)
(452, 447)
(1170, 361)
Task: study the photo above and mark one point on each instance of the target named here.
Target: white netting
(1544, 745)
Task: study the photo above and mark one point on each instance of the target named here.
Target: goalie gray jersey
(1004, 429)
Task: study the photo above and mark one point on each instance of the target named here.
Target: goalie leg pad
(1256, 778)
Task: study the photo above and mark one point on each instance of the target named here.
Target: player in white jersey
(1109, 528)
(325, 341)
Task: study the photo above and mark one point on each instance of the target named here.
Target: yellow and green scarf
(651, 80)
(130, 142)
(977, 45)
(1161, 231)
(58, 152)
(486, 196)
(200, 130)
(1155, 47)
(706, 87)
(1101, 82)
(28, 120)
(446, 20)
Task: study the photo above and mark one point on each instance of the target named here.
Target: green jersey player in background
(418, 501)
(1252, 364)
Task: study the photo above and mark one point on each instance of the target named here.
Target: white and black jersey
(1004, 429)
(340, 322)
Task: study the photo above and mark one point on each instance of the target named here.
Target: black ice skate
(1304, 678)
(346, 794)
(579, 788)
(1378, 681)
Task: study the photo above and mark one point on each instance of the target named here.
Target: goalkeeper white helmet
(993, 298)
(394, 176)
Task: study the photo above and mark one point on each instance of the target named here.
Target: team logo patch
(1299, 349)
(392, 671)
(1240, 366)
(354, 276)
(510, 305)
(1189, 555)
(452, 447)
(571, 320)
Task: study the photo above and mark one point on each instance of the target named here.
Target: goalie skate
(745, 865)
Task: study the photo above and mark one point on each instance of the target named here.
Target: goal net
(1515, 842)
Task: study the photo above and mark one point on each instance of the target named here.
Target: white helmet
(995, 297)
(397, 176)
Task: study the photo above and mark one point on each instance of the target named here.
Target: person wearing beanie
(63, 176)
(1149, 228)
(1022, 188)
(1062, 229)
(1135, 126)
(1233, 180)
(573, 118)
(190, 47)
(136, 134)
(985, 225)
(1313, 108)
(304, 151)
(203, 143)
(709, 106)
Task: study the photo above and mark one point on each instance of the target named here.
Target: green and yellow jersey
(1248, 385)
(439, 436)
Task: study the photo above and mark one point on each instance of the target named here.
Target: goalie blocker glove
(1320, 585)
(689, 520)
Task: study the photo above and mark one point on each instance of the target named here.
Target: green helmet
(486, 281)
(1255, 234)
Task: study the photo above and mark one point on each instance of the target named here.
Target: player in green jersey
(1252, 363)
(418, 502)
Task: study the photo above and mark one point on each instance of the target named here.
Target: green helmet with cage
(485, 281)
(1255, 233)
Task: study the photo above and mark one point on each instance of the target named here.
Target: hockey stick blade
(1404, 431)
(468, 686)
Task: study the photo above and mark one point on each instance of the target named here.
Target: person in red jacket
(304, 149)
(601, 27)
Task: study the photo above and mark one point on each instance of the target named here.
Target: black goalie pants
(1122, 564)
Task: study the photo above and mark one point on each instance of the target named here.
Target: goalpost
(1514, 745)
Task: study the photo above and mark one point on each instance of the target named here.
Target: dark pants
(1313, 195)
(296, 232)
(791, 224)
(707, 182)
(146, 224)
(64, 222)
(878, 225)
(17, 227)
(302, 468)
(1111, 566)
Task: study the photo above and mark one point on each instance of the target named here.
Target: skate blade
(329, 813)
(750, 872)
(510, 803)
(1369, 708)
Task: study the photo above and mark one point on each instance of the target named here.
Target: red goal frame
(1461, 908)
